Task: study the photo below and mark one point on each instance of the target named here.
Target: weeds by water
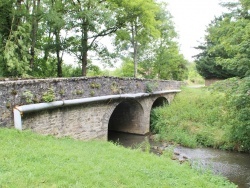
(31, 160)
(144, 146)
(196, 117)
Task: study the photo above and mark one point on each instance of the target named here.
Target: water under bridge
(83, 108)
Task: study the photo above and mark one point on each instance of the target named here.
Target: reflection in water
(234, 166)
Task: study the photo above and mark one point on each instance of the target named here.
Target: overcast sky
(191, 18)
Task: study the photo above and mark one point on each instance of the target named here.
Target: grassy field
(195, 117)
(31, 160)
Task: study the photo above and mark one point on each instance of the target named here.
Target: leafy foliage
(16, 51)
(140, 28)
(168, 62)
(238, 103)
(225, 53)
(216, 117)
(156, 56)
(28, 96)
(193, 76)
(126, 69)
(36, 35)
(195, 117)
(49, 95)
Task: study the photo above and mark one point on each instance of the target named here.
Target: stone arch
(158, 102)
(127, 117)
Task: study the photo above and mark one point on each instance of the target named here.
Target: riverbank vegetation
(218, 116)
(31, 160)
(215, 116)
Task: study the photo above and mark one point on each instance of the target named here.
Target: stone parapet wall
(21, 92)
(83, 122)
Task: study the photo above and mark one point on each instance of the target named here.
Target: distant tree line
(35, 35)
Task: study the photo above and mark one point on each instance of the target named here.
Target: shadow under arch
(126, 117)
(159, 102)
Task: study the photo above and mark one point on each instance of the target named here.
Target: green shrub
(195, 117)
(95, 85)
(28, 96)
(218, 116)
(237, 92)
(115, 88)
(150, 87)
(239, 104)
(49, 95)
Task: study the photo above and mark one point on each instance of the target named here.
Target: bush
(49, 95)
(218, 116)
(195, 117)
(239, 104)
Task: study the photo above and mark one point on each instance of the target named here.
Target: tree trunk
(84, 63)
(36, 6)
(84, 53)
(17, 18)
(58, 49)
(135, 48)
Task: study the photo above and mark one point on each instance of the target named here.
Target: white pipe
(88, 100)
(166, 91)
(39, 106)
(17, 119)
(18, 110)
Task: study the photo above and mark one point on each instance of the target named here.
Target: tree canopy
(154, 55)
(226, 54)
(226, 51)
(35, 36)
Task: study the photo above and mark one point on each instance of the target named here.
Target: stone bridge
(83, 108)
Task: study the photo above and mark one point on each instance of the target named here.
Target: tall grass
(30, 160)
(195, 117)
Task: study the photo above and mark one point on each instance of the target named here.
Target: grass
(195, 117)
(31, 160)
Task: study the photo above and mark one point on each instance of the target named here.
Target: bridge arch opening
(159, 102)
(127, 117)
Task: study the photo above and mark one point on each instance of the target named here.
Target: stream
(232, 165)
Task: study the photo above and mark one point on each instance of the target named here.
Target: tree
(56, 41)
(140, 27)
(225, 53)
(170, 64)
(91, 20)
(239, 104)
(5, 18)
(35, 17)
(15, 50)
(35, 35)
(5, 27)
(126, 69)
(20, 36)
(163, 60)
